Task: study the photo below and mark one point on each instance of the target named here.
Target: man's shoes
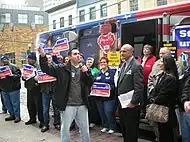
(10, 118)
(110, 131)
(104, 130)
(30, 122)
(17, 119)
(41, 125)
(92, 125)
(44, 129)
(58, 127)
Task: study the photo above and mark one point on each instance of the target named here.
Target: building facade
(18, 29)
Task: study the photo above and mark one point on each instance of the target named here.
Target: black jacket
(11, 83)
(165, 93)
(62, 72)
(186, 91)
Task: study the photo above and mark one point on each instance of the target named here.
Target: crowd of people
(163, 82)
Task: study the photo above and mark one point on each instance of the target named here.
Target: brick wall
(18, 40)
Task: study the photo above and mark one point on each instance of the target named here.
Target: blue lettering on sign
(182, 36)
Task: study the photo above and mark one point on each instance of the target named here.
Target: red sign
(43, 77)
(106, 41)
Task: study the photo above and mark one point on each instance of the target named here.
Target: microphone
(80, 65)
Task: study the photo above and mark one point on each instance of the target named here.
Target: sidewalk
(10, 132)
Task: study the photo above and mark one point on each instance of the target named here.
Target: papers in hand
(28, 71)
(5, 71)
(125, 98)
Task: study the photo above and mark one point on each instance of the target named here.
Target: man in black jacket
(185, 99)
(71, 92)
(10, 86)
(34, 97)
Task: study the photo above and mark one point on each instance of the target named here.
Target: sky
(12, 1)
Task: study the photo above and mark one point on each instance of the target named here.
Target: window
(82, 15)
(70, 19)
(11, 57)
(62, 22)
(39, 19)
(103, 10)
(54, 24)
(92, 13)
(23, 57)
(133, 5)
(22, 18)
(119, 8)
(161, 2)
(5, 18)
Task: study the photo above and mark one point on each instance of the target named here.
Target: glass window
(161, 2)
(103, 10)
(82, 15)
(70, 19)
(23, 57)
(5, 18)
(92, 13)
(22, 18)
(62, 22)
(119, 8)
(39, 19)
(54, 24)
(134, 5)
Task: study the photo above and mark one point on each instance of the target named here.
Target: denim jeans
(46, 100)
(186, 128)
(12, 102)
(80, 115)
(3, 103)
(106, 110)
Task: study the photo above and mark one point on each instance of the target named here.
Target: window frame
(21, 18)
(92, 15)
(82, 16)
(62, 22)
(134, 5)
(103, 10)
(40, 19)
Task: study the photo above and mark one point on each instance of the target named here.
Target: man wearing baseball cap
(11, 86)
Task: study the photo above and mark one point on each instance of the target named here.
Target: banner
(61, 45)
(100, 89)
(114, 58)
(28, 71)
(5, 71)
(43, 77)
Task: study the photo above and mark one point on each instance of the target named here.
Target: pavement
(11, 132)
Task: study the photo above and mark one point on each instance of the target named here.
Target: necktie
(123, 68)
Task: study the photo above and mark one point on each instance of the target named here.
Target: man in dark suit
(130, 78)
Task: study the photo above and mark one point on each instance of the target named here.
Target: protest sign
(43, 77)
(100, 89)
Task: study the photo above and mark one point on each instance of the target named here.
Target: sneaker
(41, 125)
(44, 129)
(10, 118)
(110, 131)
(92, 125)
(104, 130)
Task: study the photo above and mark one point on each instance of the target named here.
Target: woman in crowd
(165, 93)
(148, 61)
(106, 105)
(93, 111)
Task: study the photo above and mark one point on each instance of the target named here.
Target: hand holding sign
(41, 51)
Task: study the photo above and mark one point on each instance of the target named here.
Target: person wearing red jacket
(148, 61)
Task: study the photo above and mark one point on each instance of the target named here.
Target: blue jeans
(12, 102)
(3, 103)
(186, 128)
(106, 110)
(80, 115)
(46, 99)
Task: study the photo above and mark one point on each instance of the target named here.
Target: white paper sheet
(125, 98)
